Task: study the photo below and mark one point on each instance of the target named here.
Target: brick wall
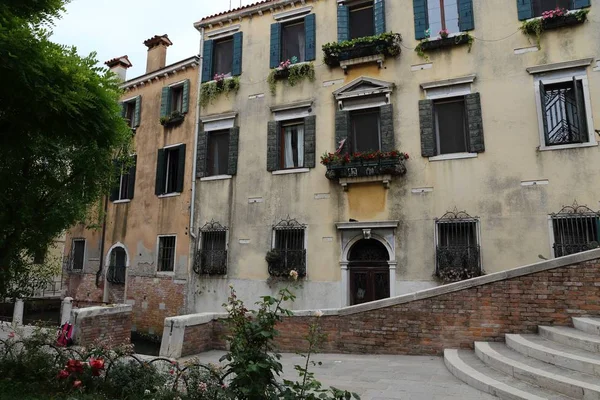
(82, 287)
(451, 316)
(102, 322)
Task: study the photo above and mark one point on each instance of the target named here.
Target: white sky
(114, 28)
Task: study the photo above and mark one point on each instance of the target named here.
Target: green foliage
(536, 26)
(427, 44)
(61, 127)
(387, 44)
(174, 118)
(294, 75)
(533, 27)
(209, 91)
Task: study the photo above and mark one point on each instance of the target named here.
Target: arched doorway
(369, 271)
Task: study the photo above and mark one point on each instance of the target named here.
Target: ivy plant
(294, 74)
(428, 44)
(536, 26)
(210, 91)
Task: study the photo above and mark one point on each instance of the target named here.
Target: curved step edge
(587, 324)
(571, 337)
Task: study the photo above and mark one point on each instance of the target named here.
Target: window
(540, 6)
(170, 170)
(575, 229)
(450, 126)
(118, 257)
(563, 112)
(166, 253)
(293, 41)
(365, 130)
(124, 188)
(40, 256)
(117, 266)
(457, 247)
(218, 153)
(177, 99)
(223, 57)
(211, 257)
(78, 254)
(362, 21)
(130, 113)
(292, 145)
(443, 15)
(288, 251)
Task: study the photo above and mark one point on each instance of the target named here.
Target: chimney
(157, 52)
(119, 66)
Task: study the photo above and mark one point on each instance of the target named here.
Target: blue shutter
(379, 16)
(343, 20)
(207, 60)
(581, 3)
(525, 9)
(421, 20)
(186, 97)
(310, 27)
(466, 21)
(165, 102)
(238, 40)
(275, 45)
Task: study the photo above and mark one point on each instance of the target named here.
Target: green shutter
(466, 20)
(165, 102)
(186, 96)
(543, 109)
(421, 19)
(131, 177)
(234, 134)
(581, 3)
(138, 110)
(525, 9)
(207, 61)
(275, 52)
(343, 21)
(114, 190)
(201, 152)
(310, 137)
(160, 173)
(180, 169)
(273, 133)
(388, 142)
(342, 128)
(428, 137)
(310, 27)
(474, 123)
(581, 123)
(379, 16)
(123, 109)
(238, 41)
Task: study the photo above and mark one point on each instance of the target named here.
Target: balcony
(211, 262)
(116, 274)
(282, 261)
(372, 49)
(365, 167)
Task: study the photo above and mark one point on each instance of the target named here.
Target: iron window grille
(563, 112)
(166, 253)
(211, 253)
(288, 252)
(457, 247)
(75, 260)
(576, 228)
(117, 266)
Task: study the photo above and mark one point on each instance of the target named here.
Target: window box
(174, 119)
(567, 20)
(436, 44)
(209, 91)
(292, 73)
(553, 20)
(386, 44)
(361, 168)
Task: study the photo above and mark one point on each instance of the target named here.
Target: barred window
(457, 247)
(78, 254)
(563, 112)
(575, 229)
(117, 267)
(166, 253)
(288, 252)
(211, 255)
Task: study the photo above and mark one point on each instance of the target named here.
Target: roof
(163, 72)
(123, 60)
(223, 13)
(156, 40)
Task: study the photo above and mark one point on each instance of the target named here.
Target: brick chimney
(119, 66)
(157, 52)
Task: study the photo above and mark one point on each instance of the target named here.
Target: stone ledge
(101, 310)
(183, 321)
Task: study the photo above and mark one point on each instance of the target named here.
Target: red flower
(63, 374)
(171, 371)
(74, 366)
(97, 363)
(77, 384)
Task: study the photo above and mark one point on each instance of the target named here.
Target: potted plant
(444, 33)
(174, 118)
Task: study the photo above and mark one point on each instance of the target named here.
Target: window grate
(576, 228)
(564, 112)
(211, 255)
(288, 251)
(166, 253)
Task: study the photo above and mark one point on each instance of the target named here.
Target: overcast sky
(114, 28)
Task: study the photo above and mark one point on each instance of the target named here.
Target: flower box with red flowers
(364, 164)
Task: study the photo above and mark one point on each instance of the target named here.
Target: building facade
(454, 144)
(139, 254)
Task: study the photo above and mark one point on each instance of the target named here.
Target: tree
(60, 129)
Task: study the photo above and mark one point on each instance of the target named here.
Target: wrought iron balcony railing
(457, 263)
(282, 262)
(395, 167)
(116, 274)
(211, 262)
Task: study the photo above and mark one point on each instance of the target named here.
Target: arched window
(117, 266)
(369, 271)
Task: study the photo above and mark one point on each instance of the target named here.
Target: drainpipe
(197, 130)
(99, 273)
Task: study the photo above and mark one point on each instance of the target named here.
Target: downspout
(99, 273)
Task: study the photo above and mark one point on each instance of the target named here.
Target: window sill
(291, 171)
(165, 273)
(567, 146)
(162, 196)
(216, 178)
(121, 201)
(453, 156)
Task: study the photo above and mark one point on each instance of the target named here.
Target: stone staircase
(557, 363)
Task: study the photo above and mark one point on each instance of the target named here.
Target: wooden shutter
(123, 109)
(466, 21)
(232, 156)
(421, 18)
(428, 136)
(138, 111)
(310, 137)
(388, 142)
(131, 177)
(180, 169)
(114, 190)
(379, 16)
(185, 106)
(165, 102)
(273, 133)
(275, 51)
(160, 173)
(582, 125)
(238, 41)
(201, 153)
(310, 27)
(525, 9)
(343, 22)
(581, 3)
(543, 110)
(207, 61)
(474, 123)
(342, 127)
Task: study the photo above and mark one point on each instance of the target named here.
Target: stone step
(574, 384)
(571, 337)
(555, 353)
(587, 324)
(465, 365)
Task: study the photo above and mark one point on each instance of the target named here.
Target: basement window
(575, 229)
(166, 253)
